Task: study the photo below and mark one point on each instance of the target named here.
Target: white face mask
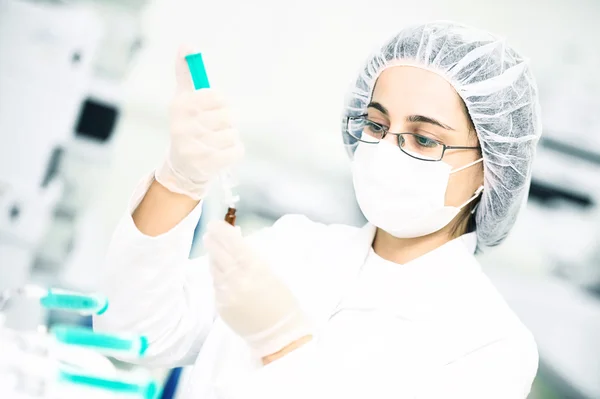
(402, 195)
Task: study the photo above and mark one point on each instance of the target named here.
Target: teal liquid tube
(227, 180)
(120, 345)
(118, 386)
(197, 70)
(84, 304)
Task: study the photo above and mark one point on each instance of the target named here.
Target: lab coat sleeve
(502, 370)
(154, 290)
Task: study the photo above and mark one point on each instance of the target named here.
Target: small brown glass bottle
(230, 216)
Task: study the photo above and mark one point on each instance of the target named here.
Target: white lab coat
(435, 329)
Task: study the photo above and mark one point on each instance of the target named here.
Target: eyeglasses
(414, 145)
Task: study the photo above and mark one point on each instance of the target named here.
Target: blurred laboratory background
(84, 93)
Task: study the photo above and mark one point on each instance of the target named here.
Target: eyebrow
(412, 118)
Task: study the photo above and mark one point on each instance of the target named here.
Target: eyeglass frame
(386, 132)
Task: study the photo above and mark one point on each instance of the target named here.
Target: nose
(389, 138)
(394, 138)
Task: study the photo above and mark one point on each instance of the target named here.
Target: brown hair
(465, 223)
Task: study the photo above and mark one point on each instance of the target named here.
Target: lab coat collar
(470, 241)
(367, 235)
(358, 247)
(354, 250)
(350, 254)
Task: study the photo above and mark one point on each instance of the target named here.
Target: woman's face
(412, 100)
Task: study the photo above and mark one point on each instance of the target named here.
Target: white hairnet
(501, 96)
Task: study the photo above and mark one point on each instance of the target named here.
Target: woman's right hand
(203, 141)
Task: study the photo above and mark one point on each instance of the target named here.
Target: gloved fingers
(222, 232)
(233, 155)
(219, 140)
(228, 157)
(207, 100)
(221, 260)
(187, 131)
(219, 159)
(227, 237)
(219, 118)
(212, 160)
(215, 119)
(197, 101)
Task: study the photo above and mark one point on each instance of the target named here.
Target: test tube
(200, 80)
(122, 385)
(108, 344)
(84, 304)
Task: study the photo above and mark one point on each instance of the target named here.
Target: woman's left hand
(255, 304)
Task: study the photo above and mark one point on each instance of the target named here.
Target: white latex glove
(255, 304)
(203, 141)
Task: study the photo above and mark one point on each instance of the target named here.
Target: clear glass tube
(228, 184)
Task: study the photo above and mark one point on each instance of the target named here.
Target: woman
(441, 126)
